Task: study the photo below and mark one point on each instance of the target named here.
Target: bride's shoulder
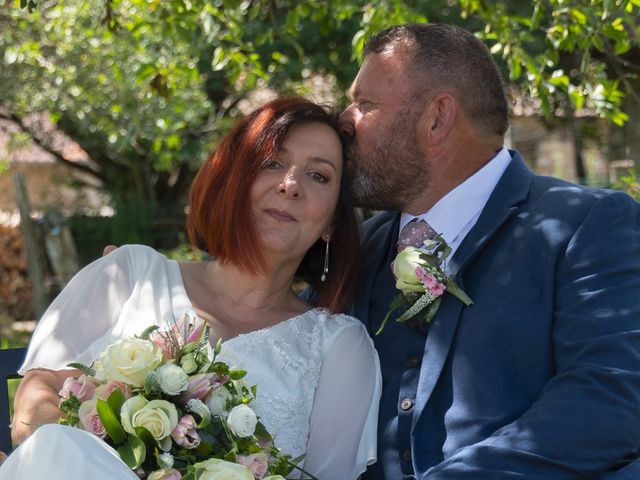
(333, 323)
(136, 254)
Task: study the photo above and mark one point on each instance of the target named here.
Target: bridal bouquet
(171, 412)
(422, 281)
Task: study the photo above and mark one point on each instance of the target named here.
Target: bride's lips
(280, 215)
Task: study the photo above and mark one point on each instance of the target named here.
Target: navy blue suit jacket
(540, 377)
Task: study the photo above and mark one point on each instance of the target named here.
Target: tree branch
(15, 119)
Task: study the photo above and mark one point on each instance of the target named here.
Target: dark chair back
(10, 361)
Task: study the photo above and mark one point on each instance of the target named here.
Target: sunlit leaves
(569, 49)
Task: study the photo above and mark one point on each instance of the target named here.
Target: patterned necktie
(414, 234)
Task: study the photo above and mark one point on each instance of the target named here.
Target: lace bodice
(317, 374)
(294, 349)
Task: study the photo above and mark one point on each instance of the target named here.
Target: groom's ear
(438, 118)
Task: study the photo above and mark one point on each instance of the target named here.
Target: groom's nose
(346, 123)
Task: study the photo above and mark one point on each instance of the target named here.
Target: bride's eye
(319, 177)
(271, 164)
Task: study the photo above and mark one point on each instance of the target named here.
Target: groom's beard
(392, 172)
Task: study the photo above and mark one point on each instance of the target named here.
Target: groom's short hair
(450, 57)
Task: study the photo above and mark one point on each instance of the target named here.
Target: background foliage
(147, 86)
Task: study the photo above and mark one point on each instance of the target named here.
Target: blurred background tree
(146, 87)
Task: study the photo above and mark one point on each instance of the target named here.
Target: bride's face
(295, 194)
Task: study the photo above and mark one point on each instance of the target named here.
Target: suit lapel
(375, 253)
(510, 191)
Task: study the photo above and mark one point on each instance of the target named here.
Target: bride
(270, 203)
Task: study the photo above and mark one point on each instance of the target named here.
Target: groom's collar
(456, 213)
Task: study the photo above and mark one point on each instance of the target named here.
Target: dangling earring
(325, 270)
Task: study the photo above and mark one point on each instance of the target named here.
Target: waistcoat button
(413, 362)
(406, 456)
(406, 404)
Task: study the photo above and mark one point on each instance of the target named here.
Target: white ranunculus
(159, 417)
(129, 360)
(242, 421)
(404, 268)
(216, 469)
(217, 400)
(172, 379)
(274, 477)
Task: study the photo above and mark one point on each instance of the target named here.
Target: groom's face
(386, 166)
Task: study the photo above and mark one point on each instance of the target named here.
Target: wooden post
(61, 250)
(34, 263)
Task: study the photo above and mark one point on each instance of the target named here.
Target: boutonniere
(422, 281)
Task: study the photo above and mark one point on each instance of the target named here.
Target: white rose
(217, 401)
(159, 417)
(129, 360)
(404, 268)
(216, 469)
(242, 421)
(173, 380)
(274, 477)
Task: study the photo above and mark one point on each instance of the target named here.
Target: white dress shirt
(457, 212)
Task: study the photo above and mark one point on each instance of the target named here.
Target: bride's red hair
(220, 219)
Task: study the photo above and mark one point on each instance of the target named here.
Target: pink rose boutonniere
(422, 281)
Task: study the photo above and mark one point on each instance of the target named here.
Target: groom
(540, 377)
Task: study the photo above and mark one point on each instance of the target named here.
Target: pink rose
(427, 279)
(185, 434)
(258, 463)
(82, 388)
(437, 289)
(89, 418)
(103, 391)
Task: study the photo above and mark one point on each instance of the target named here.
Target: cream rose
(242, 421)
(216, 469)
(404, 269)
(159, 417)
(173, 380)
(129, 360)
(217, 400)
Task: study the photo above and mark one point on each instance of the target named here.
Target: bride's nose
(289, 186)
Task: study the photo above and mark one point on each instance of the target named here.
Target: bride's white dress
(317, 374)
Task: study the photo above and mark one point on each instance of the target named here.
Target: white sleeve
(344, 418)
(79, 318)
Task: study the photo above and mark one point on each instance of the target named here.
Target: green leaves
(111, 422)
(132, 452)
(131, 448)
(83, 368)
(109, 72)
